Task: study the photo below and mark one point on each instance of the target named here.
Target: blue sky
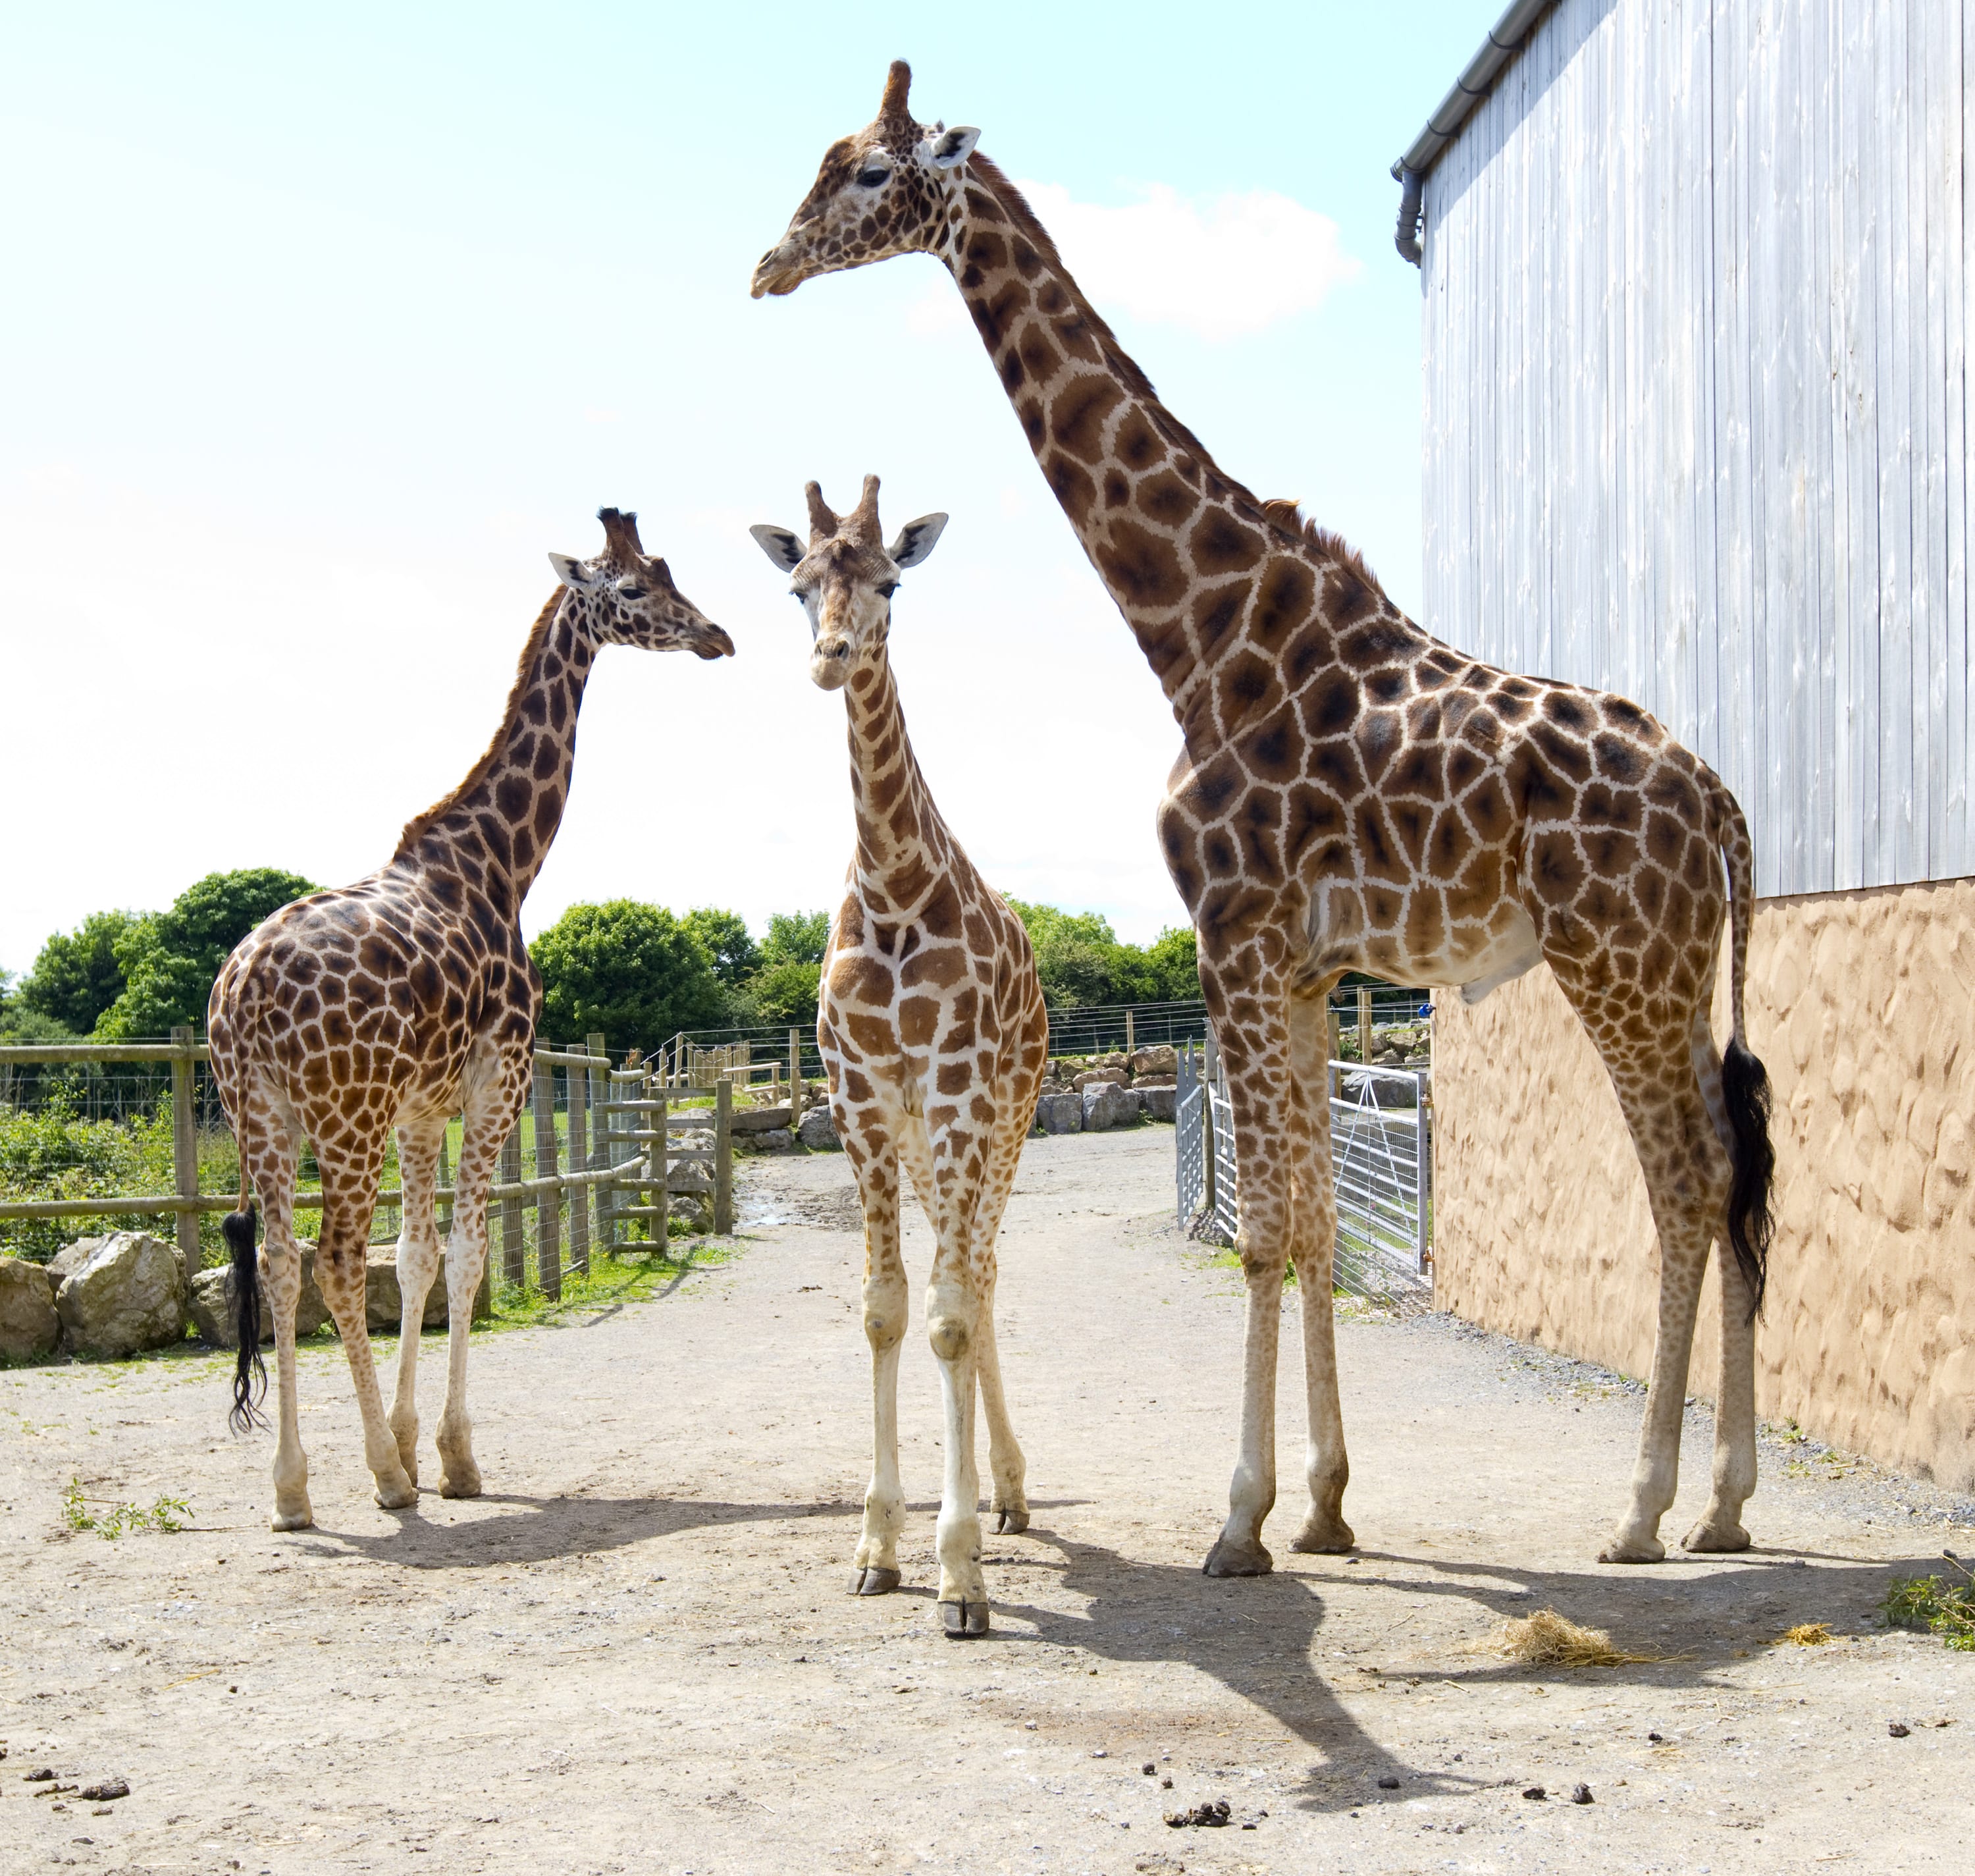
(320, 331)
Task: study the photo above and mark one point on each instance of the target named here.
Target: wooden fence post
(599, 1127)
(1364, 1028)
(514, 1249)
(1334, 1024)
(184, 1149)
(656, 1119)
(548, 1203)
(1131, 1046)
(797, 1090)
(723, 1161)
(577, 1081)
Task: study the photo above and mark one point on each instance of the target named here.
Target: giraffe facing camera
(934, 1035)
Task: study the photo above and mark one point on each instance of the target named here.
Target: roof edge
(1506, 40)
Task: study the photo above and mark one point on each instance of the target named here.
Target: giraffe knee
(885, 1305)
(950, 1319)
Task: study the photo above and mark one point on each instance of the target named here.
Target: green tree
(1081, 962)
(786, 992)
(630, 970)
(170, 959)
(77, 977)
(724, 935)
(1173, 961)
(796, 937)
(20, 1024)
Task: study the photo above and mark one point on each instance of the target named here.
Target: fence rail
(564, 1169)
(1380, 1149)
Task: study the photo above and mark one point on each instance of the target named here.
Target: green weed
(1936, 1603)
(165, 1514)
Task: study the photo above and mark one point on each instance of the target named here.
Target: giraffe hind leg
(417, 1260)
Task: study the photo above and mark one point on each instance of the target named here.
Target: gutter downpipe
(1506, 39)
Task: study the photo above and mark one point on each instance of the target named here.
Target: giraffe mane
(537, 636)
(1125, 367)
(1324, 542)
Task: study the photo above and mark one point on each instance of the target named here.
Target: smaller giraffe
(400, 1002)
(933, 1034)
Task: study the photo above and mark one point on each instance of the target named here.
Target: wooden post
(1131, 1047)
(577, 1080)
(599, 1127)
(548, 1204)
(184, 1149)
(796, 1088)
(1335, 1023)
(661, 1167)
(514, 1248)
(1364, 1028)
(723, 1161)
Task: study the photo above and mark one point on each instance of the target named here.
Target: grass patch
(611, 1280)
(1943, 1605)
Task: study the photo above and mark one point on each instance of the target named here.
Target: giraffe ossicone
(934, 1035)
(1352, 794)
(393, 1005)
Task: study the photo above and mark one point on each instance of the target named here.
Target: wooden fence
(606, 1162)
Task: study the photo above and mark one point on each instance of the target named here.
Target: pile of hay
(1805, 1635)
(1548, 1640)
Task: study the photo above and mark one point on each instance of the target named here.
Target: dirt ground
(636, 1652)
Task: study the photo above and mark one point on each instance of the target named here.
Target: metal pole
(1422, 1173)
(723, 1162)
(185, 1149)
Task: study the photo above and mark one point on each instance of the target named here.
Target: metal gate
(1381, 1152)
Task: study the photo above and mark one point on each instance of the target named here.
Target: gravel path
(636, 1653)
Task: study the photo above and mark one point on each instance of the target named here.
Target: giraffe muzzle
(776, 273)
(830, 662)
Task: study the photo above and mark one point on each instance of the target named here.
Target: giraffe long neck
(899, 830)
(495, 829)
(1188, 555)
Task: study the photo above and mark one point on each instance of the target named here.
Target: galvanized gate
(1382, 1153)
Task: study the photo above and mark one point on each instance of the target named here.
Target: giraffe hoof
(964, 1621)
(1645, 1550)
(292, 1520)
(398, 1494)
(1229, 1558)
(1716, 1537)
(462, 1481)
(1009, 1523)
(872, 1581)
(1324, 1537)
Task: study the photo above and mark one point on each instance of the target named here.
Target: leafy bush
(1081, 961)
(629, 969)
(170, 959)
(1944, 1604)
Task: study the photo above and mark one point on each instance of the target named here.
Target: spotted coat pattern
(1351, 794)
(409, 997)
(935, 1036)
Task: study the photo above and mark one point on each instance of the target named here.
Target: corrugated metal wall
(1697, 303)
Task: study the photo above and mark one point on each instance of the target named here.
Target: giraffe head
(846, 579)
(893, 188)
(620, 597)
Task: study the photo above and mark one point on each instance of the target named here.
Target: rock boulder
(384, 1302)
(1105, 1105)
(1160, 1060)
(818, 1130)
(1160, 1097)
(30, 1329)
(128, 1295)
(1059, 1113)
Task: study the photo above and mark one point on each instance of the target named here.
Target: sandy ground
(636, 1653)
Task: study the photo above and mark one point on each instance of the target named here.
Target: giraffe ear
(950, 149)
(779, 544)
(571, 572)
(916, 538)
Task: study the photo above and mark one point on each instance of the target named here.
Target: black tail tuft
(250, 1377)
(1745, 1087)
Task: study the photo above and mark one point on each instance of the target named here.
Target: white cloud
(1222, 268)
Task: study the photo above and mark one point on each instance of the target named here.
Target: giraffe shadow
(1259, 1637)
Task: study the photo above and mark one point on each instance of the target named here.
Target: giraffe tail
(250, 1374)
(1745, 1082)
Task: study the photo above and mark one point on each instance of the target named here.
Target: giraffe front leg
(417, 1260)
(886, 1299)
(1720, 1528)
(953, 1326)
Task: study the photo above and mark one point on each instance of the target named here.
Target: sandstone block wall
(1862, 1006)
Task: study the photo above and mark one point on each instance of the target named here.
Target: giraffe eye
(630, 592)
(886, 588)
(872, 178)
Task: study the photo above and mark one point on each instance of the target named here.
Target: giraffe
(934, 1035)
(1352, 794)
(402, 1000)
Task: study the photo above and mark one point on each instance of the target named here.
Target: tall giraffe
(1354, 795)
(400, 1002)
(935, 1036)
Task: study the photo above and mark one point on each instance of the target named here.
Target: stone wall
(1862, 1006)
